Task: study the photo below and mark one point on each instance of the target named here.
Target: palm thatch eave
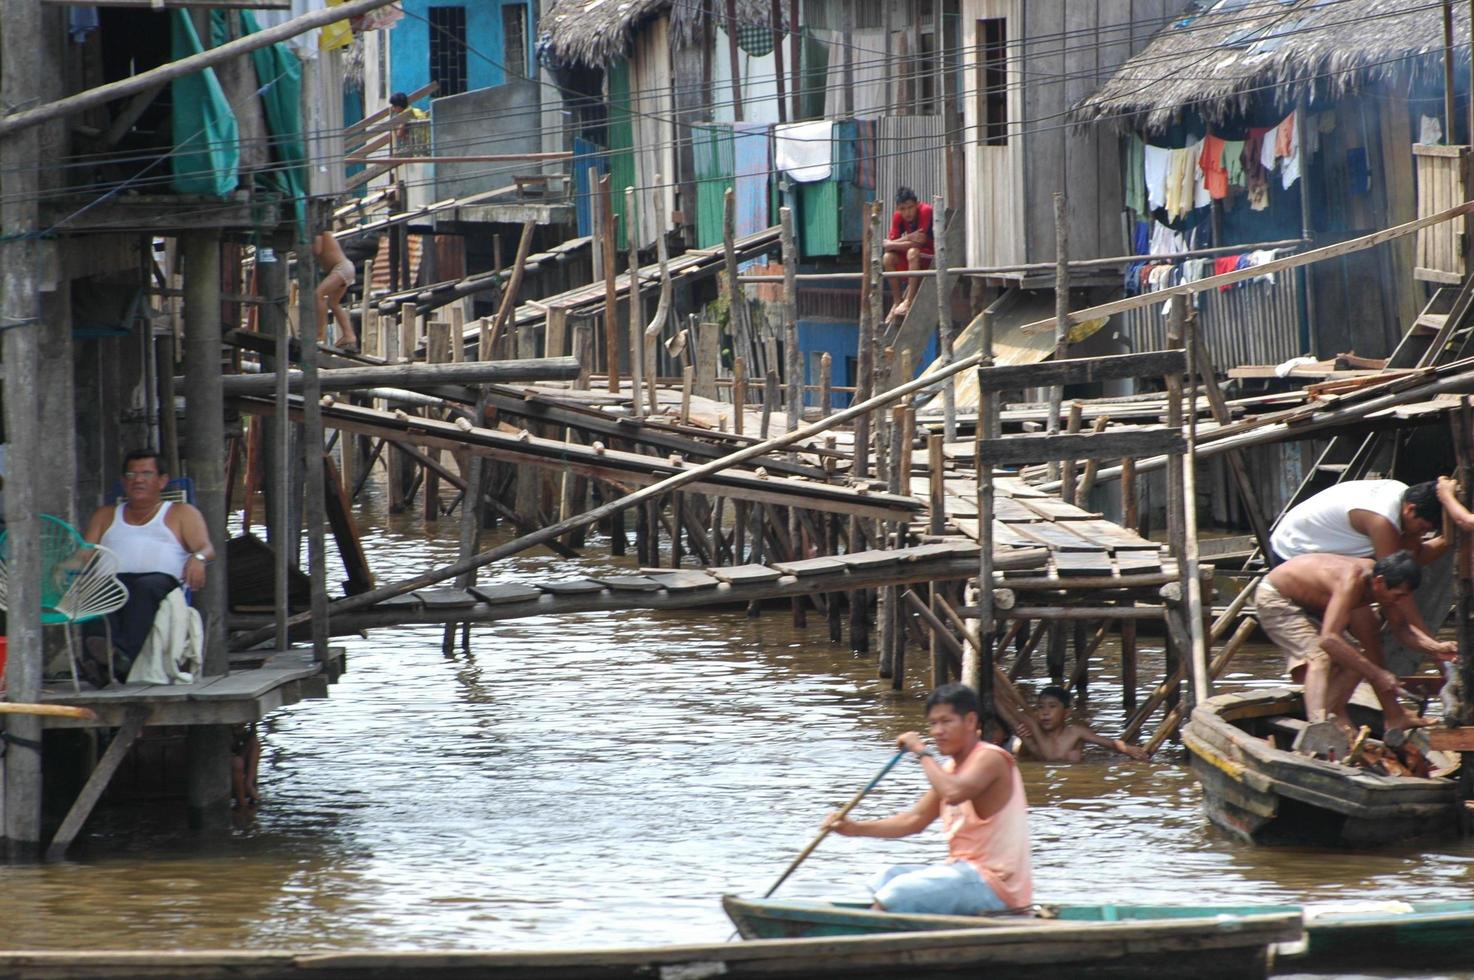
(1220, 59)
(592, 33)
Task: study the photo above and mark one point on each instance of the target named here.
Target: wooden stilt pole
(611, 303)
(209, 745)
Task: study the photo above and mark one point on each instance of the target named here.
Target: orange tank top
(997, 846)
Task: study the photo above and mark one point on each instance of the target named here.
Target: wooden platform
(242, 696)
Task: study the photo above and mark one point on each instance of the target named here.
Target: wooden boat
(1232, 949)
(1338, 936)
(1258, 790)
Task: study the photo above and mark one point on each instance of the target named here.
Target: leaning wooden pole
(315, 504)
(611, 290)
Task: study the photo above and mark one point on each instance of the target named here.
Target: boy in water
(1060, 741)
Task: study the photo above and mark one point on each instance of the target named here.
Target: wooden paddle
(844, 812)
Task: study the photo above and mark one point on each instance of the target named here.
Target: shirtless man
(979, 795)
(1307, 606)
(1057, 740)
(911, 245)
(330, 291)
(160, 544)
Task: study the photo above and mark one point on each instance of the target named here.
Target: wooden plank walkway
(243, 695)
(687, 588)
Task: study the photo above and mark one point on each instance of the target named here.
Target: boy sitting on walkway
(1059, 740)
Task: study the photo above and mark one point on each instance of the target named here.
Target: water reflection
(602, 779)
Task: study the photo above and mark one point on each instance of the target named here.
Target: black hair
(399, 100)
(1058, 693)
(1425, 502)
(1398, 568)
(145, 453)
(904, 194)
(961, 698)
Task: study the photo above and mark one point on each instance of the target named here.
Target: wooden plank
(1111, 535)
(1042, 448)
(497, 594)
(745, 574)
(868, 559)
(1082, 563)
(1009, 510)
(1056, 536)
(250, 684)
(1082, 370)
(1136, 562)
(1052, 509)
(629, 583)
(572, 586)
(810, 566)
(446, 598)
(684, 581)
(942, 549)
(97, 781)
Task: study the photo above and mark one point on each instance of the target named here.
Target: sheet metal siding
(587, 157)
(752, 158)
(1255, 324)
(910, 151)
(714, 166)
(621, 146)
(840, 340)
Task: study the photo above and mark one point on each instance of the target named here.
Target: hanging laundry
(1233, 162)
(1179, 183)
(1430, 130)
(1210, 162)
(1165, 241)
(1156, 161)
(1201, 198)
(804, 151)
(1222, 264)
(1256, 174)
(1136, 175)
(1287, 145)
(1261, 257)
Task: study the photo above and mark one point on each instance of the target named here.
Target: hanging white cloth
(175, 645)
(1156, 160)
(804, 151)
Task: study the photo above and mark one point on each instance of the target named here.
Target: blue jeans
(954, 888)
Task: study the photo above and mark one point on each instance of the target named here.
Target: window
(448, 49)
(514, 39)
(992, 82)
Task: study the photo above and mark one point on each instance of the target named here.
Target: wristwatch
(199, 556)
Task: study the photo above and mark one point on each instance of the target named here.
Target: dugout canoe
(1026, 952)
(1338, 936)
(1255, 788)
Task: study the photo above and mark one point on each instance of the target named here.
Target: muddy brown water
(603, 779)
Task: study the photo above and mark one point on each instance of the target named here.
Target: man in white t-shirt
(1374, 519)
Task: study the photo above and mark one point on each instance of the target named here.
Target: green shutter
(621, 145)
(711, 150)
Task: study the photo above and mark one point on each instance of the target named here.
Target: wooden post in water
(637, 313)
(946, 334)
(209, 745)
(315, 503)
(978, 669)
(1129, 519)
(793, 402)
(1176, 492)
(611, 301)
(1071, 467)
(437, 351)
(740, 319)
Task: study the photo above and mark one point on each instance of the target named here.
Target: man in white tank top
(160, 545)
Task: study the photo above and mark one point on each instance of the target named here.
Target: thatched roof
(594, 32)
(1220, 57)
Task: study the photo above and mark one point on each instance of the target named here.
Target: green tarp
(280, 76)
(207, 153)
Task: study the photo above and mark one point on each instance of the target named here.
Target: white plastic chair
(79, 583)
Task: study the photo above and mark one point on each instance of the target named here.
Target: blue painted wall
(409, 43)
(841, 341)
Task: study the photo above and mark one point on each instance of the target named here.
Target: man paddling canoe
(979, 795)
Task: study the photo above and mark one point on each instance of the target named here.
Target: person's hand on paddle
(839, 824)
(912, 742)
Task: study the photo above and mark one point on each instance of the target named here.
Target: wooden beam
(92, 790)
(1082, 370)
(413, 375)
(478, 158)
(1042, 448)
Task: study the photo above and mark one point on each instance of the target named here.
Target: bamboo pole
(662, 311)
(508, 305)
(946, 333)
(611, 303)
(636, 314)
